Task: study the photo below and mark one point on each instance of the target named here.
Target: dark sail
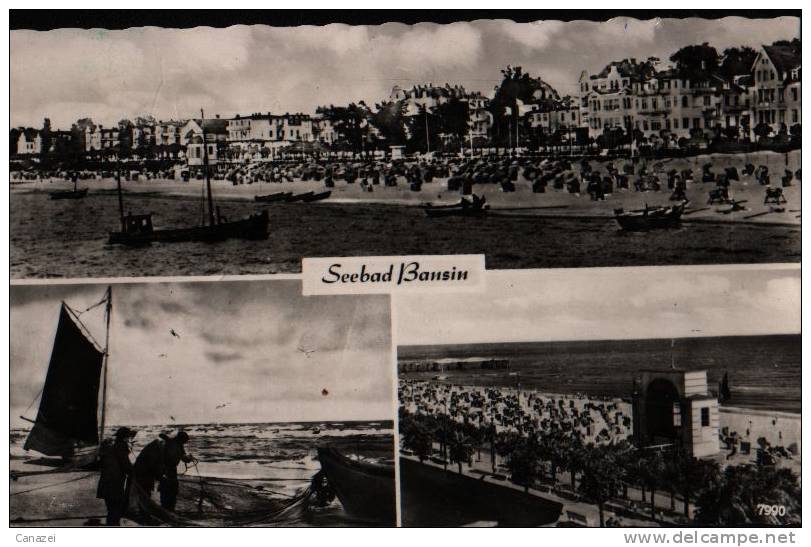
(68, 407)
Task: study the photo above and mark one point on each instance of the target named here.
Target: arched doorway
(661, 399)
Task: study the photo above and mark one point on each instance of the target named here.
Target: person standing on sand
(174, 453)
(158, 462)
(115, 469)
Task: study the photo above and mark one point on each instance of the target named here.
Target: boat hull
(431, 496)
(366, 490)
(454, 211)
(271, 198)
(69, 194)
(255, 227)
(316, 197)
(299, 197)
(650, 220)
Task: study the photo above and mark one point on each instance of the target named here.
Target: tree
(417, 436)
(524, 462)
(696, 61)
(517, 87)
(653, 468)
(460, 448)
(600, 480)
(125, 138)
(762, 131)
(389, 119)
(735, 498)
(737, 61)
(692, 475)
(46, 136)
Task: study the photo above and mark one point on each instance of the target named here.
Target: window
(697, 123)
(794, 118)
(705, 417)
(794, 94)
(685, 123)
(684, 101)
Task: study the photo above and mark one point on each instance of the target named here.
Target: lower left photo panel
(229, 403)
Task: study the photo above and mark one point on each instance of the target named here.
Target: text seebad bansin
(407, 272)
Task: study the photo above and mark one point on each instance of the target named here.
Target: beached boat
(69, 194)
(464, 208)
(649, 218)
(138, 230)
(316, 197)
(299, 197)
(68, 427)
(271, 198)
(431, 496)
(365, 489)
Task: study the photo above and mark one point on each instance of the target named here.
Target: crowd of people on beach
(593, 178)
(156, 464)
(593, 420)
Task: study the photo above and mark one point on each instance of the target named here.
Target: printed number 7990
(771, 510)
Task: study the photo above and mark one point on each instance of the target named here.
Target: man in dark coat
(115, 469)
(158, 462)
(174, 453)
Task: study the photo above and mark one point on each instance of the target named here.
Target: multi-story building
(660, 102)
(323, 130)
(143, 136)
(776, 94)
(29, 141)
(168, 133)
(553, 115)
(216, 136)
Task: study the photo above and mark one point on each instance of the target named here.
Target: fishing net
(220, 502)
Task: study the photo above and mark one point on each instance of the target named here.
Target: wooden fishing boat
(299, 197)
(365, 489)
(68, 426)
(137, 230)
(456, 211)
(69, 194)
(650, 218)
(316, 197)
(271, 198)
(464, 208)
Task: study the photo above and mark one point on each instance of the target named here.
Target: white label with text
(387, 274)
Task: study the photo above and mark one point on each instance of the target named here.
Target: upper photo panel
(164, 152)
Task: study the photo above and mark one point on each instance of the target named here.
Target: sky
(607, 304)
(69, 74)
(239, 344)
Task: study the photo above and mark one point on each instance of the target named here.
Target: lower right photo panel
(620, 397)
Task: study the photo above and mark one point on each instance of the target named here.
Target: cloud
(536, 35)
(109, 75)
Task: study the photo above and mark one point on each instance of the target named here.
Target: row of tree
(601, 473)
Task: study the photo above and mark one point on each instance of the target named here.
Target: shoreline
(549, 205)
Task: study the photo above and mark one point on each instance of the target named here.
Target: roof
(213, 125)
(784, 58)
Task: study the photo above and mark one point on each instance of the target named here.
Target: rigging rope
(84, 329)
(51, 485)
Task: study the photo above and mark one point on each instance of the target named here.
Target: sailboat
(69, 194)
(70, 421)
(138, 229)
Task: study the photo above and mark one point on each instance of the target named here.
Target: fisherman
(174, 453)
(157, 463)
(115, 469)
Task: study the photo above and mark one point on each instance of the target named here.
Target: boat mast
(107, 312)
(205, 168)
(120, 196)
